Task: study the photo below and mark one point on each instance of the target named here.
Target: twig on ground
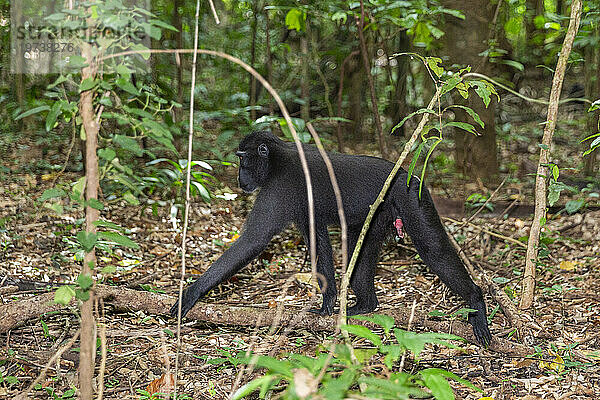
(472, 217)
(489, 232)
(56, 356)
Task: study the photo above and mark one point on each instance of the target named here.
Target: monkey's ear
(263, 150)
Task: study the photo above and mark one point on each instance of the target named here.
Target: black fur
(272, 165)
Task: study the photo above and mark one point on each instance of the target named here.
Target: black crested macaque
(268, 163)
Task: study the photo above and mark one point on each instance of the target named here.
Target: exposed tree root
(17, 313)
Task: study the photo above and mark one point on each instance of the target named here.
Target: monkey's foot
(362, 308)
(324, 310)
(480, 328)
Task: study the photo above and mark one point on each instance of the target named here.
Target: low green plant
(168, 179)
(348, 372)
(8, 380)
(477, 200)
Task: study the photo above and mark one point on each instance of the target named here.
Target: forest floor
(37, 246)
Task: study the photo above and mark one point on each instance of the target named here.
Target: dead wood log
(16, 313)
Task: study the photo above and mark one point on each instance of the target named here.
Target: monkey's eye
(263, 150)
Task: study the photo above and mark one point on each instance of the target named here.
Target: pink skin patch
(398, 224)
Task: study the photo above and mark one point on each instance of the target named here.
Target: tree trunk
(592, 91)
(269, 58)
(19, 66)
(398, 108)
(356, 93)
(541, 176)
(91, 127)
(178, 112)
(305, 79)
(340, 137)
(465, 40)
(252, 91)
(367, 66)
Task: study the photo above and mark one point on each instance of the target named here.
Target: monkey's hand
(189, 298)
(481, 331)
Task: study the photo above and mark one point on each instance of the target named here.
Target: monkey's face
(254, 166)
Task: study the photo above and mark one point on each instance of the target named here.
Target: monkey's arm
(261, 226)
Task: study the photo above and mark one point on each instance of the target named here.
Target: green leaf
(555, 172)
(513, 26)
(296, 19)
(463, 89)
(336, 389)
(343, 354)
(95, 203)
(63, 295)
(415, 342)
(439, 386)
(339, 16)
(127, 86)
(554, 190)
(435, 32)
(53, 114)
(123, 70)
(56, 17)
(201, 190)
(471, 113)
(482, 91)
(462, 125)
(398, 386)
(420, 111)
(155, 33)
(77, 62)
(283, 368)
(573, 206)
(107, 154)
(364, 332)
(159, 23)
(252, 386)
(108, 270)
(58, 81)
(392, 352)
(82, 295)
(128, 143)
(434, 65)
(118, 239)
(140, 47)
(79, 187)
(438, 141)
(413, 163)
(130, 198)
(450, 375)
(515, 64)
(364, 355)
(51, 194)
(87, 240)
(455, 13)
(156, 129)
(85, 281)
(31, 112)
(87, 84)
(450, 84)
(385, 321)
(168, 143)
(56, 207)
